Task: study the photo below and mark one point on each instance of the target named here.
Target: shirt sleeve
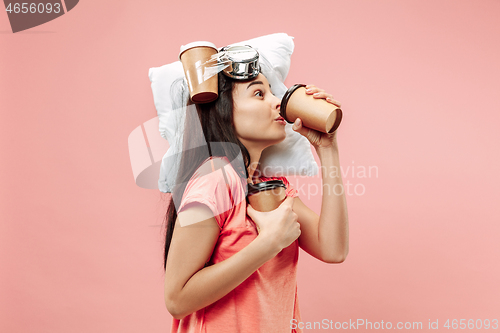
(211, 190)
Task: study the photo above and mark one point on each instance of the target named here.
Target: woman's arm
(189, 286)
(325, 237)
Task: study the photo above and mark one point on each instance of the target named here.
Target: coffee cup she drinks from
(316, 113)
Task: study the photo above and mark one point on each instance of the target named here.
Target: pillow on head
(290, 157)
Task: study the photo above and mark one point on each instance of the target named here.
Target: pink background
(81, 243)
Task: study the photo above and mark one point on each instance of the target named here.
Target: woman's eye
(258, 93)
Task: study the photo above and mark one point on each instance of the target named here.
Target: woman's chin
(280, 139)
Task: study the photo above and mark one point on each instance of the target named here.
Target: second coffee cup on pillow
(195, 58)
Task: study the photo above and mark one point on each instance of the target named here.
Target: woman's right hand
(280, 226)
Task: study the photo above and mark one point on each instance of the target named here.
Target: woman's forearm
(333, 226)
(214, 282)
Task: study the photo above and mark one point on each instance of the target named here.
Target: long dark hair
(216, 119)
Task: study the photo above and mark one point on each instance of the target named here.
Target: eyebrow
(257, 82)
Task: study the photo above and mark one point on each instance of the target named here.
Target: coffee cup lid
(196, 44)
(264, 186)
(284, 100)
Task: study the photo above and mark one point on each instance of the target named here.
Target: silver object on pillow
(243, 62)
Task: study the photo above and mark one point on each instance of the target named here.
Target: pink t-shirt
(266, 301)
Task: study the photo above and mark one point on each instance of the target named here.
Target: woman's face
(256, 116)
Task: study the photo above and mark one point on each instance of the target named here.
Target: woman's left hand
(318, 139)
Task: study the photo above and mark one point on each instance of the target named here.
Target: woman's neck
(253, 173)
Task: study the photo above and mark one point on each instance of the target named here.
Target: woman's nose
(276, 102)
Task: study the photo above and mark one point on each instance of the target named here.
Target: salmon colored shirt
(266, 302)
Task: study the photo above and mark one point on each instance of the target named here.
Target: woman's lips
(281, 120)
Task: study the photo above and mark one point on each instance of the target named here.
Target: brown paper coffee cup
(266, 196)
(193, 56)
(316, 113)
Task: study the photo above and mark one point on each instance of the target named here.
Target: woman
(221, 275)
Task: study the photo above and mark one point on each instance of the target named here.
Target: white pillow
(292, 156)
